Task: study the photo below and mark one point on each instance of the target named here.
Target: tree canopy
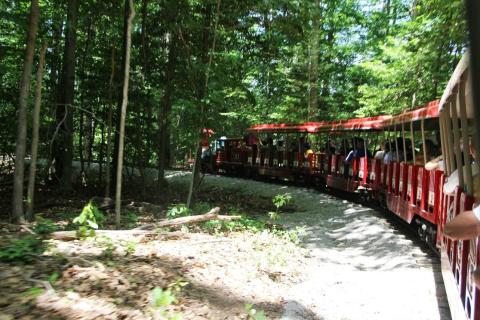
(274, 61)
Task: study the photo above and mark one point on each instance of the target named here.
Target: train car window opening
(396, 143)
(445, 144)
(466, 139)
(413, 143)
(404, 144)
(390, 152)
(456, 140)
(449, 135)
(422, 125)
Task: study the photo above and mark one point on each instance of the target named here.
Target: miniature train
(403, 184)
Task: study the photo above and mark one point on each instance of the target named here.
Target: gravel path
(362, 267)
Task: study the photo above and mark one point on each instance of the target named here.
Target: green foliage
(161, 299)
(284, 61)
(201, 207)
(130, 218)
(89, 220)
(23, 250)
(53, 277)
(279, 201)
(244, 224)
(177, 285)
(33, 292)
(45, 226)
(130, 246)
(273, 215)
(254, 314)
(292, 235)
(177, 210)
(108, 246)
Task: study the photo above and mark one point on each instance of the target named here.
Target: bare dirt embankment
(212, 272)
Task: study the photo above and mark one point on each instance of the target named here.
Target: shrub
(244, 224)
(24, 249)
(89, 220)
(201, 207)
(45, 226)
(177, 210)
(130, 218)
(254, 314)
(160, 300)
(279, 201)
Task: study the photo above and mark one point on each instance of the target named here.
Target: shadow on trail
(86, 291)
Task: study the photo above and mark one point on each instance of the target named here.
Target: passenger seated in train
(453, 180)
(308, 150)
(466, 225)
(390, 154)
(436, 163)
(358, 152)
(402, 155)
(380, 154)
(432, 152)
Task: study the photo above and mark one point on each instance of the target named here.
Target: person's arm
(464, 226)
(433, 164)
(349, 157)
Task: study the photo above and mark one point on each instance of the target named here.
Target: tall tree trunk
(64, 152)
(21, 141)
(165, 109)
(91, 138)
(116, 144)
(80, 140)
(144, 34)
(313, 65)
(55, 66)
(55, 63)
(109, 126)
(387, 9)
(101, 153)
(118, 192)
(82, 104)
(203, 92)
(36, 125)
(326, 61)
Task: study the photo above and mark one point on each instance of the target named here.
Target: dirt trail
(361, 266)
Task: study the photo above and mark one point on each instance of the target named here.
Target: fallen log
(72, 235)
(146, 208)
(211, 215)
(106, 203)
(148, 229)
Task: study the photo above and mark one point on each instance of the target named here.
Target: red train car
(384, 159)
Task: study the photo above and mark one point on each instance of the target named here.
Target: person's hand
(476, 277)
(464, 226)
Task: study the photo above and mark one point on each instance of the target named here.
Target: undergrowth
(162, 299)
(24, 249)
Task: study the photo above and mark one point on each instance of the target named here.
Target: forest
(96, 95)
